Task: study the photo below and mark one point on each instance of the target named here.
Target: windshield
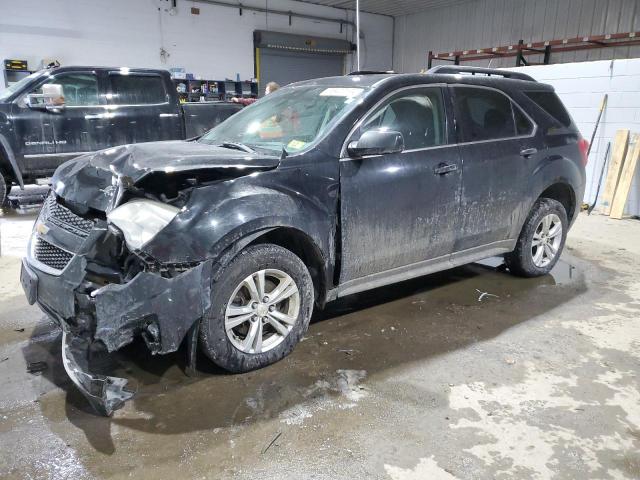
(292, 118)
(5, 94)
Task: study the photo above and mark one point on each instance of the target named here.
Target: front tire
(5, 189)
(261, 304)
(541, 240)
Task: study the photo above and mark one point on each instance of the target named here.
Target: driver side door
(399, 210)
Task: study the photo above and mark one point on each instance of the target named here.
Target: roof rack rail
(372, 72)
(454, 69)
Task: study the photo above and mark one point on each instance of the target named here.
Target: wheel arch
(306, 249)
(8, 164)
(562, 192)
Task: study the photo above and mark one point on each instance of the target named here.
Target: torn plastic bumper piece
(105, 394)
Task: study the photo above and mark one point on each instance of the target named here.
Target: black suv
(323, 189)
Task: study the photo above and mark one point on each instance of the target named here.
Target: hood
(93, 179)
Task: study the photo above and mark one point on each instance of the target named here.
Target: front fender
(218, 216)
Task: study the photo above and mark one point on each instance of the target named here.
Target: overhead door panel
(286, 58)
(287, 67)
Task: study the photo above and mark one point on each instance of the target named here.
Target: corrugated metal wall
(489, 23)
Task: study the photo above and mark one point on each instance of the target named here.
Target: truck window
(137, 89)
(417, 113)
(483, 114)
(80, 89)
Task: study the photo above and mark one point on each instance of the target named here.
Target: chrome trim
(446, 145)
(58, 154)
(513, 102)
(345, 157)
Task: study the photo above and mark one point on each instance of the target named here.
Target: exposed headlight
(140, 220)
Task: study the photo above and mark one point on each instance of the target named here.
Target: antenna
(358, 35)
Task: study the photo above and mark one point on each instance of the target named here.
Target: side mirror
(51, 98)
(376, 142)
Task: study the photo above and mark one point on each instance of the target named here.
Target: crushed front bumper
(105, 394)
(161, 309)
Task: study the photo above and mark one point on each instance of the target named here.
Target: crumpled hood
(92, 179)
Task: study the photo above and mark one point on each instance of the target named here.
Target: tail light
(583, 145)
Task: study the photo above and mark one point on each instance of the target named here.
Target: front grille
(50, 255)
(65, 218)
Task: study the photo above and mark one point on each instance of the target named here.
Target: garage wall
(581, 87)
(490, 23)
(218, 43)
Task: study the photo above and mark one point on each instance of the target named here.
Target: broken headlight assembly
(140, 220)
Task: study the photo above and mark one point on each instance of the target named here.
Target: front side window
(418, 114)
(484, 114)
(293, 118)
(137, 89)
(79, 89)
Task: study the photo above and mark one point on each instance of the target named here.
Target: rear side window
(137, 89)
(551, 104)
(483, 114)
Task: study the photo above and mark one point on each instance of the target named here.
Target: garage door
(285, 67)
(286, 58)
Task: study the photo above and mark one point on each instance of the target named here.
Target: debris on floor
(270, 444)
(485, 294)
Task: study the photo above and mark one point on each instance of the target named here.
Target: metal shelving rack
(521, 50)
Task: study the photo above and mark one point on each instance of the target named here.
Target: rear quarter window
(551, 104)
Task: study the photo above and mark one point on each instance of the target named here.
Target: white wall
(490, 23)
(581, 87)
(216, 44)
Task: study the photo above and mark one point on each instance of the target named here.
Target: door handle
(444, 168)
(527, 152)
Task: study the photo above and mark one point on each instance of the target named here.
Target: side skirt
(421, 268)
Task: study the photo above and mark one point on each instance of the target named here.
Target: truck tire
(261, 304)
(541, 240)
(5, 189)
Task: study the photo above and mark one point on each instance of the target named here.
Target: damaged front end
(99, 266)
(81, 272)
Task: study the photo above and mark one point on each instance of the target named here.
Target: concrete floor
(416, 381)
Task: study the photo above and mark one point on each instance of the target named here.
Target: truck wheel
(261, 304)
(5, 189)
(541, 240)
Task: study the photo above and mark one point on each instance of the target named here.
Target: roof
(401, 79)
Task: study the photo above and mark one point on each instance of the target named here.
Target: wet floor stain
(369, 331)
(355, 339)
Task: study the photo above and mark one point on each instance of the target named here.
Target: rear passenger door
(494, 138)
(141, 109)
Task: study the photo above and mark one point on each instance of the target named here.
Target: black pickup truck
(56, 114)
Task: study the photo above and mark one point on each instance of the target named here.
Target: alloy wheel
(546, 240)
(262, 311)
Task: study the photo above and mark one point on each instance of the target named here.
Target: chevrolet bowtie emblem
(42, 229)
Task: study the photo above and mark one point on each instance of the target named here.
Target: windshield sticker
(346, 92)
(296, 144)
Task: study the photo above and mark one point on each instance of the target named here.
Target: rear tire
(541, 240)
(261, 304)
